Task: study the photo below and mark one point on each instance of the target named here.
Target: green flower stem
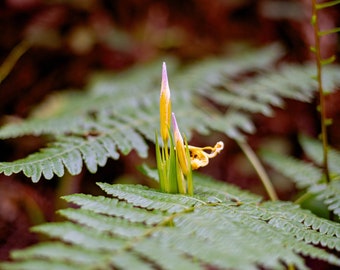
(180, 180)
(190, 183)
(173, 168)
(253, 159)
(160, 165)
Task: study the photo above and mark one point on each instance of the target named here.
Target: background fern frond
(171, 204)
(329, 194)
(308, 175)
(313, 149)
(101, 234)
(303, 224)
(120, 112)
(61, 251)
(302, 173)
(68, 152)
(120, 227)
(104, 205)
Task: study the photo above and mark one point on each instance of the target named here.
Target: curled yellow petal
(200, 158)
(180, 148)
(165, 105)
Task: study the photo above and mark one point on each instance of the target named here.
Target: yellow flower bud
(180, 148)
(165, 105)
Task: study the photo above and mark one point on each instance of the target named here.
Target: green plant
(308, 176)
(176, 161)
(319, 76)
(319, 180)
(135, 227)
(89, 128)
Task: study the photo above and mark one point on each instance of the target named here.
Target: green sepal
(172, 176)
(190, 184)
(160, 165)
(180, 178)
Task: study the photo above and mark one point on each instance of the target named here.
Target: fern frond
(313, 149)
(76, 234)
(330, 195)
(190, 233)
(119, 112)
(71, 151)
(210, 189)
(216, 71)
(35, 264)
(100, 222)
(104, 205)
(307, 175)
(139, 198)
(303, 224)
(66, 152)
(302, 173)
(270, 87)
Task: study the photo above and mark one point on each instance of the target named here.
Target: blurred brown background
(68, 40)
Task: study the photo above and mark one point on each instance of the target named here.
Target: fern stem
(322, 106)
(253, 159)
(12, 58)
(303, 198)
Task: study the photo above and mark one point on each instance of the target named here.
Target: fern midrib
(87, 141)
(136, 124)
(167, 221)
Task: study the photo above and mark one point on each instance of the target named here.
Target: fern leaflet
(309, 176)
(119, 113)
(135, 227)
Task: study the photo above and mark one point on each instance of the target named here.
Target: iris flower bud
(165, 105)
(180, 147)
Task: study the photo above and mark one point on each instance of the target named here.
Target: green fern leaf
(120, 112)
(61, 252)
(313, 148)
(120, 227)
(208, 189)
(78, 235)
(35, 264)
(270, 87)
(108, 206)
(304, 225)
(303, 174)
(330, 195)
(307, 175)
(133, 228)
(71, 151)
(50, 161)
(171, 204)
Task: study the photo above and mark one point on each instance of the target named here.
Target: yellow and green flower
(176, 159)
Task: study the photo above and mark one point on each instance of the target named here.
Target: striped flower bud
(165, 105)
(180, 148)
